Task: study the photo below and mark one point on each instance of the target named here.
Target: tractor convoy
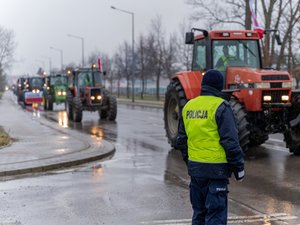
(81, 90)
(262, 99)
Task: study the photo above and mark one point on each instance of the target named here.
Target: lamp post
(61, 56)
(82, 45)
(133, 58)
(50, 62)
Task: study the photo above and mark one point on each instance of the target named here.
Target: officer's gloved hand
(239, 175)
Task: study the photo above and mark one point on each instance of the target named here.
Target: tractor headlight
(99, 97)
(92, 98)
(267, 98)
(263, 85)
(286, 84)
(35, 90)
(59, 93)
(64, 93)
(285, 98)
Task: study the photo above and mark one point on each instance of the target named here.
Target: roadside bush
(4, 137)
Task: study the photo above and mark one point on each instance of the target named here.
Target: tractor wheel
(77, 109)
(69, 106)
(292, 135)
(242, 123)
(49, 103)
(45, 103)
(112, 108)
(174, 103)
(103, 114)
(292, 139)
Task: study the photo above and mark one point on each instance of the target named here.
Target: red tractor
(262, 99)
(87, 93)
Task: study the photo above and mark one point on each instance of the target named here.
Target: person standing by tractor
(208, 139)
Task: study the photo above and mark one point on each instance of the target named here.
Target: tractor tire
(45, 103)
(69, 106)
(77, 109)
(103, 114)
(49, 103)
(292, 135)
(112, 108)
(174, 103)
(292, 139)
(242, 123)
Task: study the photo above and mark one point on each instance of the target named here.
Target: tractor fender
(190, 82)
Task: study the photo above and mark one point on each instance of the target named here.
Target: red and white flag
(99, 64)
(256, 26)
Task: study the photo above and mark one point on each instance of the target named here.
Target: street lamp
(50, 62)
(61, 56)
(82, 46)
(133, 58)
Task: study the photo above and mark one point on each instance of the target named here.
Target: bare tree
(184, 52)
(218, 13)
(141, 61)
(156, 46)
(170, 60)
(7, 48)
(123, 64)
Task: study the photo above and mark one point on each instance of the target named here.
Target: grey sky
(39, 24)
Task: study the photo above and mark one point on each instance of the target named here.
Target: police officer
(208, 139)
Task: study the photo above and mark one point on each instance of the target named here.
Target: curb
(142, 103)
(89, 151)
(58, 165)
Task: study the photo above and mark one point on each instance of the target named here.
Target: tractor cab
(219, 50)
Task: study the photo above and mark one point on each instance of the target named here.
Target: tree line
(159, 55)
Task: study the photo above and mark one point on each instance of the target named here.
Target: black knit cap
(213, 78)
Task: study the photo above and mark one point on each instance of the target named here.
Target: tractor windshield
(89, 79)
(36, 82)
(58, 80)
(240, 53)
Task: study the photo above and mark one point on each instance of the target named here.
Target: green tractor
(55, 90)
(86, 92)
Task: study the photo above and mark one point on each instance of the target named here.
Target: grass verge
(4, 138)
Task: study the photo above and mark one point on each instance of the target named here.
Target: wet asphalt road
(146, 182)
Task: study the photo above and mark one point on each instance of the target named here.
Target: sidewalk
(138, 102)
(39, 145)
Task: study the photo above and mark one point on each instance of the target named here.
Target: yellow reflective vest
(202, 130)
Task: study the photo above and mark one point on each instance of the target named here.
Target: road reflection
(62, 119)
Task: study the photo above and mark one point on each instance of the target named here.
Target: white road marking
(231, 220)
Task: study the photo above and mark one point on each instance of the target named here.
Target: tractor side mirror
(277, 37)
(189, 38)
